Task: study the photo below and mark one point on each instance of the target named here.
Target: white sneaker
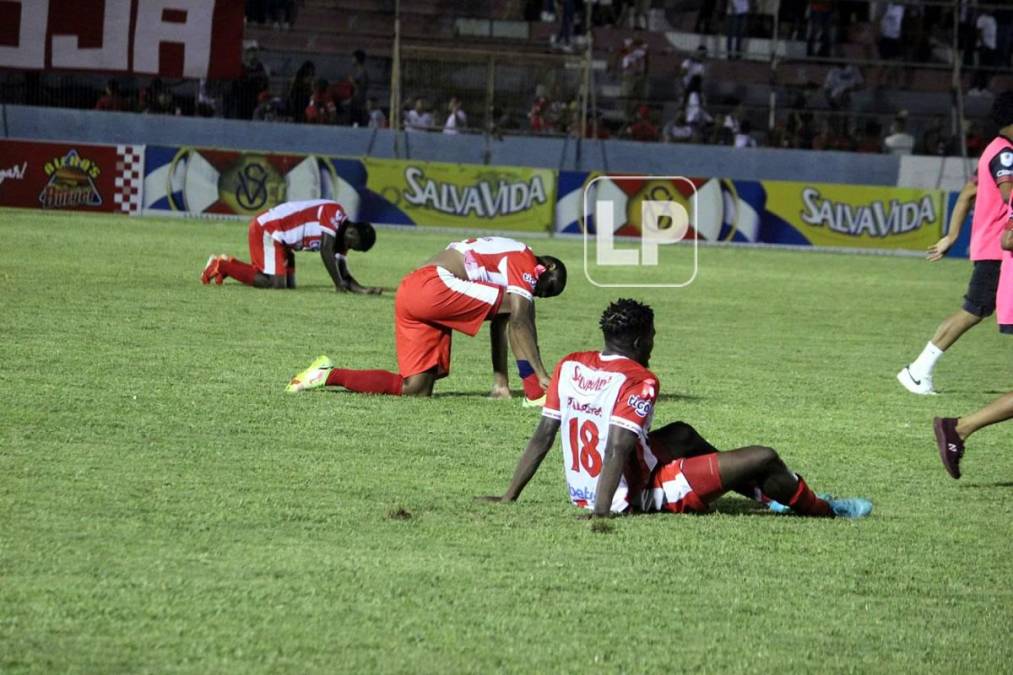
(922, 386)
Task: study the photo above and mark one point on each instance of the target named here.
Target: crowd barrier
(140, 179)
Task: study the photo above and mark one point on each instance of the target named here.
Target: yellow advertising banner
(859, 216)
(469, 196)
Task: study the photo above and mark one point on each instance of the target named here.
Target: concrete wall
(88, 126)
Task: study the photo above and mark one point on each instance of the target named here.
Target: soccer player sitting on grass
(951, 432)
(275, 236)
(992, 196)
(488, 279)
(612, 461)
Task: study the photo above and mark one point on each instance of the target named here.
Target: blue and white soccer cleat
(778, 507)
(854, 507)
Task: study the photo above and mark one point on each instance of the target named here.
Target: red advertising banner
(74, 176)
(170, 38)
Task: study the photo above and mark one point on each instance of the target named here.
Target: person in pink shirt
(951, 432)
(991, 212)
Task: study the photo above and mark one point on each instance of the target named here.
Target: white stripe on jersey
(288, 208)
(486, 294)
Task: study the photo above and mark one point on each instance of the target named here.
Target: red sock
(806, 503)
(366, 381)
(242, 272)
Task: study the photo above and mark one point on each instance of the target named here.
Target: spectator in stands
(641, 128)
(933, 141)
(562, 39)
(899, 142)
(705, 17)
(636, 11)
(841, 81)
(988, 47)
(301, 90)
(537, 118)
(696, 116)
(677, 131)
(377, 120)
(244, 90)
(157, 100)
(321, 108)
(869, 142)
(456, 119)
(360, 80)
(419, 118)
(281, 13)
(111, 100)
(634, 73)
(891, 26)
(980, 84)
(548, 11)
(819, 28)
(792, 18)
(973, 140)
(738, 18)
(695, 65)
(733, 120)
(268, 108)
(744, 137)
(967, 32)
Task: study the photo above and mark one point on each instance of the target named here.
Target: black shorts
(980, 297)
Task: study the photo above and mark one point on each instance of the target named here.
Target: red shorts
(268, 255)
(686, 485)
(430, 303)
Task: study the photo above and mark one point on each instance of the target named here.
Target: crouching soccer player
(613, 462)
(275, 235)
(487, 279)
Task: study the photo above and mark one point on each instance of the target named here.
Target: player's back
(589, 393)
(301, 223)
(501, 261)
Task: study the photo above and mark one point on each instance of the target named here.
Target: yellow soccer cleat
(533, 402)
(313, 377)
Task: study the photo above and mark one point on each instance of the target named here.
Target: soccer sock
(532, 387)
(242, 272)
(806, 503)
(366, 381)
(925, 362)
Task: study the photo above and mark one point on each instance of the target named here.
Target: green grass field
(165, 507)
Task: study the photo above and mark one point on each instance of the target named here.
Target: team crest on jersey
(71, 182)
(1006, 158)
(648, 389)
(640, 406)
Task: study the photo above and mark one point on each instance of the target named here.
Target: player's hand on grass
(499, 391)
(374, 290)
(939, 249)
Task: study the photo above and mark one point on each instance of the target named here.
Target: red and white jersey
(590, 393)
(503, 262)
(300, 225)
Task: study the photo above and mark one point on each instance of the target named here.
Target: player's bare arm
(498, 344)
(1007, 240)
(328, 245)
(960, 210)
(538, 446)
(619, 449)
(351, 284)
(521, 334)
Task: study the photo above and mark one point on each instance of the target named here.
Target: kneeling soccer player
(487, 279)
(613, 462)
(275, 235)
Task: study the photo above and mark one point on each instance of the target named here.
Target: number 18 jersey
(589, 393)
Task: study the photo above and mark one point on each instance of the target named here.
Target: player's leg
(764, 467)
(289, 268)
(979, 302)
(951, 432)
(247, 273)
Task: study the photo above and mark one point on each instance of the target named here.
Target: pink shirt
(991, 211)
(1004, 294)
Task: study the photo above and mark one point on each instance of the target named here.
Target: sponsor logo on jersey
(639, 405)
(878, 219)
(589, 383)
(582, 493)
(578, 406)
(484, 199)
(71, 182)
(13, 173)
(530, 279)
